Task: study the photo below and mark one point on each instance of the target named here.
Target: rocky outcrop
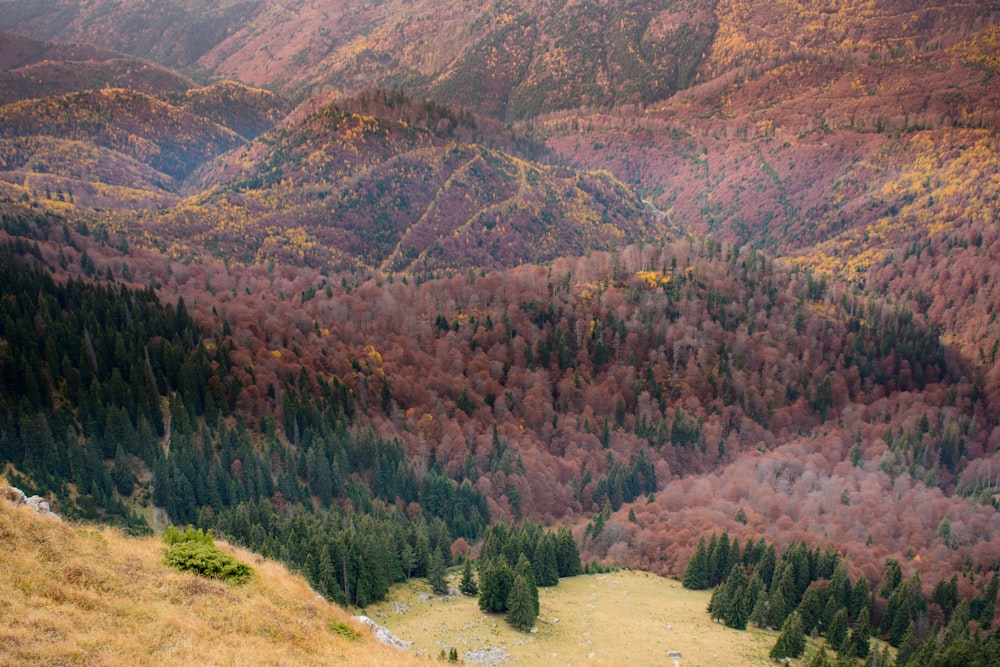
(383, 634)
(18, 497)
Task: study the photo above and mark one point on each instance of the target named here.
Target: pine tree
(520, 608)
(792, 641)
(468, 586)
(859, 597)
(435, 574)
(696, 576)
(495, 580)
(718, 604)
(738, 606)
(781, 596)
(837, 631)
(122, 476)
(811, 608)
(907, 647)
(891, 579)
(524, 570)
(767, 565)
(545, 564)
(860, 637)
(567, 554)
(820, 659)
(759, 614)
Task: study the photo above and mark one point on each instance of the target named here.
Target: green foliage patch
(345, 631)
(195, 551)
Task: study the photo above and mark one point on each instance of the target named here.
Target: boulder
(17, 497)
(14, 495)
(383, 634)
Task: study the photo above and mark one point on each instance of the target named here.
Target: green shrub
(342, 629)
(206, 560)
(173, 536)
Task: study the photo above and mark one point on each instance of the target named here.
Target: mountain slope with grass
(75, 593)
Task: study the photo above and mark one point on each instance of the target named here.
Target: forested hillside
(634, 272)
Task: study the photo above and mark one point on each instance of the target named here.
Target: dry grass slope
(78, 595)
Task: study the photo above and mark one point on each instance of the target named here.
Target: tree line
(810, 592)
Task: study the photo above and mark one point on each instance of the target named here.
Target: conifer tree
(468, 585)
(495, 580)
(545, 565)
(524, 569)
(567, 554)
(696, 576)
(820, 659)
(907, 646)
(759, 614)
(435, 574)
(718, 604)
(859, 597)
(792, 641)
(860, 637)
(521, 611)
(719, 563)
(122, 476)
(811, 608)
(891, 579)
(738, 606)
(837, 631)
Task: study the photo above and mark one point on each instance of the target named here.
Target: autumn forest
(721, 307)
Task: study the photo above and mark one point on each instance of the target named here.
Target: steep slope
(172, 33)
(517, 57)
(169, 139)
(102, 598)
(122, 148)
(610, 386)
(414, 188)
(29, 68)
(850, 146)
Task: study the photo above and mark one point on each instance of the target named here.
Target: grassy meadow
(623, 618)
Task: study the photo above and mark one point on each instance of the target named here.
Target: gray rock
(13, 494)
(383, 634)
(17, 497)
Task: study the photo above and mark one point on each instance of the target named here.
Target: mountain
(107, 598)
(121, 148)
(670, 269)
(413, 187)
(520, 57)
(31, 69)
(846, 146)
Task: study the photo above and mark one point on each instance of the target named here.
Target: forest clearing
(620, 618)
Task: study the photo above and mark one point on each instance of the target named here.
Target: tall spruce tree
(792, 641)
(696, 575)
(495, 581)
(739, 604)
(837, 631)
(435, 574)
(524, 570)
(521, 612)
(860, 636)
(468, 585)
(545, 565)
(567, 554)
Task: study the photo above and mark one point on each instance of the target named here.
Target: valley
(357, 286)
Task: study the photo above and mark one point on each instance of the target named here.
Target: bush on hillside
(194, 551)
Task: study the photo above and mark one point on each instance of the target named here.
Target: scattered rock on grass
(487, 656)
